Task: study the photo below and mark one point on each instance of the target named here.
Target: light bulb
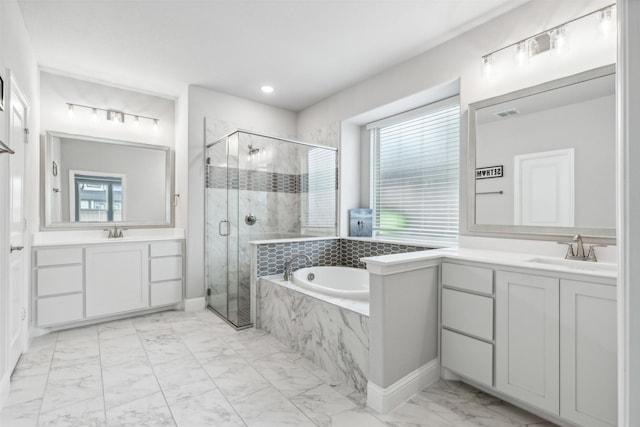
(559, 40)
(137, 121)
(487, 66)
(267, 89)
(70, 111)
(522, 53)
(605, 17)
(156, 125)
(94, 114)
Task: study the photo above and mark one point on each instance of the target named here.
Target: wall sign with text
(490, 172)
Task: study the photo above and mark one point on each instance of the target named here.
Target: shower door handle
(226, 233)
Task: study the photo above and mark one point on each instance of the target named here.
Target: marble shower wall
(332, 337)
(249, 174)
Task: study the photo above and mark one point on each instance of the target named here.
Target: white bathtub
(343, 282)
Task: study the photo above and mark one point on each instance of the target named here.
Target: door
(117, 279)
(17, 224)
(544, 190)
(588, 354)
(217, 226)
(527, 338)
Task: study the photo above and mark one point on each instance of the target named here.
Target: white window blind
(319, 209)
(415, 174)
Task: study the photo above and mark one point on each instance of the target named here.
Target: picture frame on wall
(1, 93)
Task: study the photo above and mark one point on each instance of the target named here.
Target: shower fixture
(253, 150)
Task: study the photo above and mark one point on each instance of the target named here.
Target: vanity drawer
(168, 268)
(60, 309)
(468, 357)
(166, 249)
(46, 257)
(59, 280)
(165, 293)
(476, 279)
(468, 313)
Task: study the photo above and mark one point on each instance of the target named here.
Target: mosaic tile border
(272, 256)
(252, 180)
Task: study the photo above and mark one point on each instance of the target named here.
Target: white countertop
(511, 259)
(85, 237)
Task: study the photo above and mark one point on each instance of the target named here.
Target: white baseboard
(4, 389)
(195, 304)
(384, 400)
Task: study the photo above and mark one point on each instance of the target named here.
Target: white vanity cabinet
(554, 347)
(74, 283)
(588, 357)
(117, 278)
(166, 267)
(58, 285)
(528, 338)
(467, 321)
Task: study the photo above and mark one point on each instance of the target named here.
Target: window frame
(397, 119)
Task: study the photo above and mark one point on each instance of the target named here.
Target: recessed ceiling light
(267, 89)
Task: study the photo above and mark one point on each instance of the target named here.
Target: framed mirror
(542, 159)
(91, 182)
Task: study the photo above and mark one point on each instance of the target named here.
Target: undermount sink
(576, 265)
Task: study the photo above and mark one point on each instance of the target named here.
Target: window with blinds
(319, 208)
(415, 174)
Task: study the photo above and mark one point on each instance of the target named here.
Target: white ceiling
(307, 49)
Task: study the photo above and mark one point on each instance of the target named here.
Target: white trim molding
(4, 388)
(195, 304)
(387, 399)
(628, 224)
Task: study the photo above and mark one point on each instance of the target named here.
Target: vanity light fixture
(553, 39)
(112, 115)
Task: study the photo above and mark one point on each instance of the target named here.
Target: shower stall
(260, 187)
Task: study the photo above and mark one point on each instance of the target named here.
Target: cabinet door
(588, 353)
(117, 279)
(527, 338)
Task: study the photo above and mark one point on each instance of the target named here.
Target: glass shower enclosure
(260, 188)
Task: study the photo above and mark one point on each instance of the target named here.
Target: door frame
(15, 90)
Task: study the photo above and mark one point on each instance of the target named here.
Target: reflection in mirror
(91, 180)
(545, 158)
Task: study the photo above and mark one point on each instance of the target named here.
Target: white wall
(56, 90)
(224, 113)
(16, 55)
(460, 58)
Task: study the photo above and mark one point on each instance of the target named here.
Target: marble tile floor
(192, 369)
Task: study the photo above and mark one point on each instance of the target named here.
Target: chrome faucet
(579, 254)
(115, 232)
(288, 264)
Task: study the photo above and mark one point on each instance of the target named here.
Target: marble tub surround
(357, 306)
(319, 327)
